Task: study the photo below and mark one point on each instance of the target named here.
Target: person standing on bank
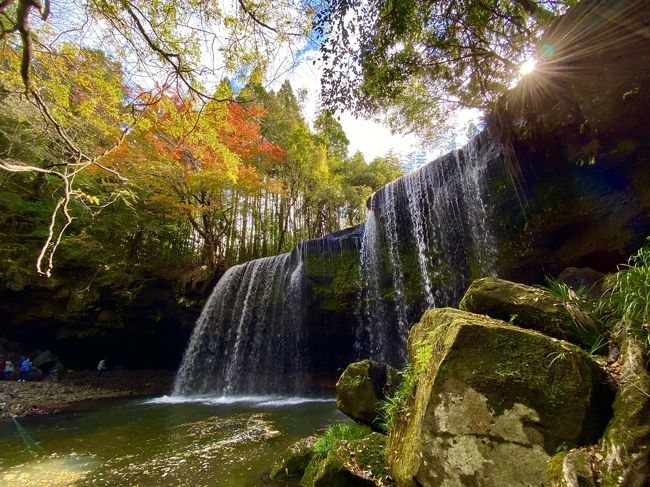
(9, 369)
(25, 368)
(101, 366)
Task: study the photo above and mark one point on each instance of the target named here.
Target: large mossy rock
(492, 403)
(360, 389)
(530, 307)
(292, 463)
(621, 457)
(355, 463)
(626, 442)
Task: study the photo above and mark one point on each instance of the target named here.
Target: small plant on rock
(585, 312)
(628, 295)
(338, 432)
(392, 406)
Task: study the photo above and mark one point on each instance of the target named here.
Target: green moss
(334, 280)
(336, 433)
(307, 479)
(350, 463)
(554, 469)
(367, 454)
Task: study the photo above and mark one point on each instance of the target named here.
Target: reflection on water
(167, 441)
(52, 471)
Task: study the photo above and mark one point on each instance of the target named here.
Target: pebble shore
(52, 397)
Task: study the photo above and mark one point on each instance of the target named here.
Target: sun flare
(528, 67)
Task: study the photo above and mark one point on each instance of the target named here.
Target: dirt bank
(52, 397)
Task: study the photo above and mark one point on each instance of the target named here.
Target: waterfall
(427, 234)
(249, 337)
(285, 323)
(372, 333)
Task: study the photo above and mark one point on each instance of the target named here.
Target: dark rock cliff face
(579, 146)
(139, 327)
(331, 266)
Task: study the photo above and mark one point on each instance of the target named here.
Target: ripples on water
(171, 441)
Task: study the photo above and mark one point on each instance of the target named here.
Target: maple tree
(125, 179)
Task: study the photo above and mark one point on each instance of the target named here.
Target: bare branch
(254, 17)
(15, 166)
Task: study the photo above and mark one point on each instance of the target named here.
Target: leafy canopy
(420, 60)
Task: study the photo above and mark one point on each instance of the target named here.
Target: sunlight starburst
(528, 66)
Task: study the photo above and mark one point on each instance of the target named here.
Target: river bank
(52, 397)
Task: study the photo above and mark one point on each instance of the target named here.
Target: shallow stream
(164, 441)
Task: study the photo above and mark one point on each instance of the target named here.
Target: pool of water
(164, 441)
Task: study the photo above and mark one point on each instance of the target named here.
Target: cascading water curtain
(427, 234)
(248, 339)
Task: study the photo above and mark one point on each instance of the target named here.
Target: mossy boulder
(331, 472)
(355, 463)
(529, 307)
(365, 458)
(292, 463)
(626, 442)
(492, 403)
(573, 468)
(621, 457)
(361, 387)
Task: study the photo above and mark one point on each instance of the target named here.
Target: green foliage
(336, 433)
(562, 447)
(586, 313)
(625, 305)
(597, 346)
(628, 295)
(187, 177)
(391, 407)
(563, 291)
(557, 357)
(211, 184)
(421, 60)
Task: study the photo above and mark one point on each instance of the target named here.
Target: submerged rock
(294, 460)
(492, 403)
(530, 307)
(360, 389)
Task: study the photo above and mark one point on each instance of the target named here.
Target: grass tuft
(628, 295)
(586, 314)
(338, 432)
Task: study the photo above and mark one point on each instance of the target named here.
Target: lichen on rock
(494, 404)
